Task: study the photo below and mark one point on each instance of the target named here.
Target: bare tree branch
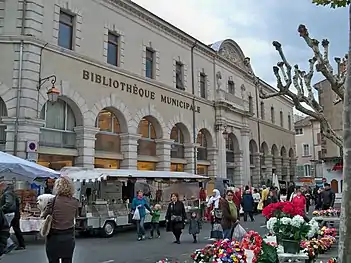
(323, 64)
(300, 80)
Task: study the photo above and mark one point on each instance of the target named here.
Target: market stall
(106, 194)
(29, 180)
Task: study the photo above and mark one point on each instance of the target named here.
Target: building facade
(308, 145)
(135, 93)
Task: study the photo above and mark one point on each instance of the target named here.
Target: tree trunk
(345, 225)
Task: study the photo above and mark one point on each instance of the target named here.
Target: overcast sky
(255, 24)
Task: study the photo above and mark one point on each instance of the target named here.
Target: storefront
(55, 162)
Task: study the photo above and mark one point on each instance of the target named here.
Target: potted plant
(291, 231)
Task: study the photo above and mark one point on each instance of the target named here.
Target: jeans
(155, 226)
(227, 233)
(140, 227)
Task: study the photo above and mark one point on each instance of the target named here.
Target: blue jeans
(140, 227)
(227, 233)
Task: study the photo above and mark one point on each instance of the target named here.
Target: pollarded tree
(288, 77)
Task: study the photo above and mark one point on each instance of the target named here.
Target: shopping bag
(260, 206)
(136, 215)
(239, 232)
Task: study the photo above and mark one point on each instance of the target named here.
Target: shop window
(107, 139)
(147, 144)
(177, 167)
(146, 166)
(202, 148)
(3, 112)
(202, 169)
(55, 162)
(177, 150)
(106, 163)
(59, 125)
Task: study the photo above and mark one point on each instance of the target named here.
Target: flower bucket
(291, 246)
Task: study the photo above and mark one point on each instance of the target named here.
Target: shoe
(151, 237)
(195, 241)
(175, 242)
(139, 238)
(143, 237)
(178, 242)
(10, 248)
(158, 236)
(20, 248)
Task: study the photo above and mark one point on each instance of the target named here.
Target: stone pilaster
(189, 156)
(221, 156)
(285, 169)
(28, 130)
(255, 170)
(267, 174)
(212, 158)
(85, 137)
(245, 139)
(292, 169)
(163, 151)
(129, 148)
(238, 179)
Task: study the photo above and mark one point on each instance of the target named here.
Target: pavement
(124, 248)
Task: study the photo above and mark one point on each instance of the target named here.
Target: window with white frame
(112, 49)
(281, 119)
(306, 149)
(179, 75)
(65, 33)
(272, 115)
(262, 111)
(307, 170)
(289, 122)
(203, 78)
(251, 106)
(298, 131)
(149, 64)
(231, 87)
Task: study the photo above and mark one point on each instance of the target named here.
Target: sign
(137, 91)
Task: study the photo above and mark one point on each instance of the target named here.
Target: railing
(108, 142)
(147, 147)
(177, 151)
(223, 95)
(202, 154)
(2, 134)
(229, 157)
(57, 138)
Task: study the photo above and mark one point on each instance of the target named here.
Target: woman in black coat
(175, 217)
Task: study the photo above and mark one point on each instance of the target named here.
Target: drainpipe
(19, 83)
(194, 113)
(258, 130)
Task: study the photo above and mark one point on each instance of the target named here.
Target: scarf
(215, 199)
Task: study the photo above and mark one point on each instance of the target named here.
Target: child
(155, 221)
(194, 226)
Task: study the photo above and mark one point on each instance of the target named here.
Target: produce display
(28, 203)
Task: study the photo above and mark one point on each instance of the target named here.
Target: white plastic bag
(136, 215)
(239, 233)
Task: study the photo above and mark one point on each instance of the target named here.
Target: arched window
(107, 139)
(177, 150)
(229, 145)
(202, 148)
(59, 125)
(147, 144)
(3, 113)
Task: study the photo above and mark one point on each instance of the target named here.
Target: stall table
(287, 257)
(30, 225)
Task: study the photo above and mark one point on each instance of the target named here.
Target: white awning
(92, 175)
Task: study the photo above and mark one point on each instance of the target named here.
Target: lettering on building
(135, 90)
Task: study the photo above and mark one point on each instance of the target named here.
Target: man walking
(328, 197)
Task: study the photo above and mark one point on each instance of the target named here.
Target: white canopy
(12, 166)
(97, 174)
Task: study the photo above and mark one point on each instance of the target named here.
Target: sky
(254, 24)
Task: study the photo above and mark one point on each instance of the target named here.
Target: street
(124, 248)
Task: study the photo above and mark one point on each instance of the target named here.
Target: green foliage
(269, 254)
(332, 3)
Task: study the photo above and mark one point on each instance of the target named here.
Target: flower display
(315, 246)
(220, 252)
(281, 209)
(325, 231)
(327, 213)
(314, 228)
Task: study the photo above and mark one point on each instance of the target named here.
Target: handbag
(175, 218)
(217, 231)
(46, 225)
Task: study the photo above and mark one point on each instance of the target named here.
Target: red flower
(281, 209)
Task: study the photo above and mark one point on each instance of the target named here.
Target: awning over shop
(92, 175)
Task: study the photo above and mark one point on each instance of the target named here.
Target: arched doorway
(233, 162)
(275, 156)
(180, 135)
(283, 158)
(150, 130)
(108, 143)
(3, 113)
(254, 163)
(334, 184)
(58, 133)
(204, 141)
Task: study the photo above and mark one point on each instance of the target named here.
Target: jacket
(141, 204)
(328, 197)
(237, 199)
(247, 202)
(8, 201)
(63, 210)
(299, 202)
(194, 226)
(175, 209)
(228, 219)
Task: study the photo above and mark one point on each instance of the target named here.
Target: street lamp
(53, 93)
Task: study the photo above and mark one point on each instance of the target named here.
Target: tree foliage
(287, 76)
(332, 3)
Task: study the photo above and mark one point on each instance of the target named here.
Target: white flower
(270, 224)
(297, 221)
(285, 220)
(314, 228)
